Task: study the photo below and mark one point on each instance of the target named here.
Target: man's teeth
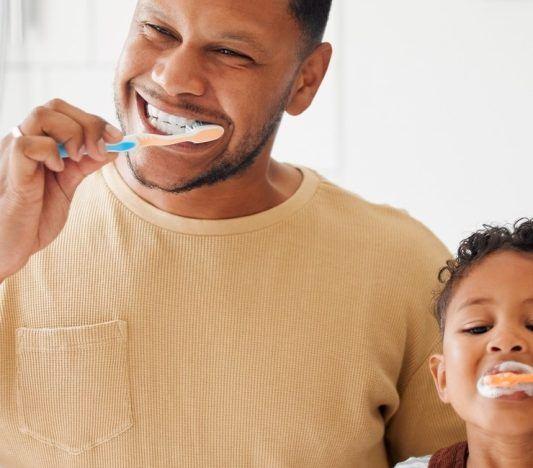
(168, 123)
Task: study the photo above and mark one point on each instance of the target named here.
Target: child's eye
(477, 330)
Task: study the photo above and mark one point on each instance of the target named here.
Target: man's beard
(231, 164)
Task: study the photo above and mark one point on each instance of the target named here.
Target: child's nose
(507, 343)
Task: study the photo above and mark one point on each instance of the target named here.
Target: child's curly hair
(473, 249)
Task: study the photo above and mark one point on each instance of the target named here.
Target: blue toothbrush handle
(62, 151)
(124, 145)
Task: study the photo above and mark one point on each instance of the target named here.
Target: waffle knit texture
(296, 337)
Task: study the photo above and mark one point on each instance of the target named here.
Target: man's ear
(438, 371)
(309, 78)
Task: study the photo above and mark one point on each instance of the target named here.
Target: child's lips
(512, 367)
(514, 392)
(516, 396)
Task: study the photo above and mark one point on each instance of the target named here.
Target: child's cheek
(461, 367)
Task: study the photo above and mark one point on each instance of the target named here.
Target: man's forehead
(239, 20)
(254, 7)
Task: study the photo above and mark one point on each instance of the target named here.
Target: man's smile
(160, 118)
(169, 123)
(183, 66)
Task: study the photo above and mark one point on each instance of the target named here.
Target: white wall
(428, 105)
(438, 108)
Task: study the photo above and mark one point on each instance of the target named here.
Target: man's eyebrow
(239, 36)
(151, 9)
(244, 37)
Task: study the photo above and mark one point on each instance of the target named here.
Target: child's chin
(508, 415)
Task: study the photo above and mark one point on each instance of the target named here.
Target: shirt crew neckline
(213, 227)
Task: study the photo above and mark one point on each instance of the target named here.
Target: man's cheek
(136, 57)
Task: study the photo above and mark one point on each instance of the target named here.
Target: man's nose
(179, 72)
(507, 342)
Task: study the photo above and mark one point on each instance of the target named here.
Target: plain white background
(428, 105)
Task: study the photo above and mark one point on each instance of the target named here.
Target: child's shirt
(455, 456)
(420, 462)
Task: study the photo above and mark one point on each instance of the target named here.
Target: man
(205, 305)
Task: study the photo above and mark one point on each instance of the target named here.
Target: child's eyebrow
(476, 301)
(485, 300)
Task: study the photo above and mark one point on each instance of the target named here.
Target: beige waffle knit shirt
(296, 337)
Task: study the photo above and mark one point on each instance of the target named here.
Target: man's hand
(36, 185)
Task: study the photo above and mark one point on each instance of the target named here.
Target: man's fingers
(75, 172)
(27, 153)
(112, 134)
(96, 131)
(59, 122)
(47, 122)
(80, 132)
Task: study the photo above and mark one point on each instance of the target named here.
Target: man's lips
(178, 112)
(186, 147)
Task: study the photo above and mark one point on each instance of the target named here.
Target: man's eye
(159, 29)
(477, 330)
(232, 53)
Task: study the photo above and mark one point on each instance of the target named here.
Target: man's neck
(496, 451)
(263, 186)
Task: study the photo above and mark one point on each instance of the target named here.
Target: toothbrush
(508, 379)
(201, 134)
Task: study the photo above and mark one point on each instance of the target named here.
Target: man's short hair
(312, 15)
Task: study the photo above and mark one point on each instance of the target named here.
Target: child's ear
(438, 371)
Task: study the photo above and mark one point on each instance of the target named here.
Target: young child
(485, 312)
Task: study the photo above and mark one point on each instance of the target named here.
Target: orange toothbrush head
(508, 379)
(203, 134)
(208, 134)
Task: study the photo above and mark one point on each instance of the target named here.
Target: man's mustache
(185, 105)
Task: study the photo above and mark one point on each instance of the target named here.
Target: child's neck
(489, 450)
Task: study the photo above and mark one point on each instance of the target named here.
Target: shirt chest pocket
(72, 384)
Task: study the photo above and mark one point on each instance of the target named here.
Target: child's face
(489, 321)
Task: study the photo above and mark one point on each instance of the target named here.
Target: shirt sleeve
(2, 301)
(422, 424)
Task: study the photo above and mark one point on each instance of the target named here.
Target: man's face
(489, 321)
(227, 62)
